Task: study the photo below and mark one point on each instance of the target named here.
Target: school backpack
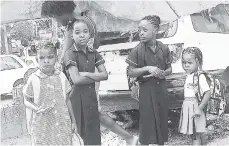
(217, 102)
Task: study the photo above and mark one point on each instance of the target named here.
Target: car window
(215, 20)
(8, 63)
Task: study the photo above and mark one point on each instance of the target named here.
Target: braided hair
(196, 52)
(153, 19)
(46, 45)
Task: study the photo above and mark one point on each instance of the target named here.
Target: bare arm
(70, 110)
(205, 100)
(168, 71)
(136, 72)
(77, 78)
(30, 104)
(28, 95)
(98, 76)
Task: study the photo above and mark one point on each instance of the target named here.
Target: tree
(23, 31)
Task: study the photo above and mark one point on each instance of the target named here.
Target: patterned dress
(54, 127)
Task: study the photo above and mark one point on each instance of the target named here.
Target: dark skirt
(153, 108)
(85, 108)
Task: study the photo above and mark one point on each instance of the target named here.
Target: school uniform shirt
(83, 97)
(153, 98)
(54, 127)
(190, 104)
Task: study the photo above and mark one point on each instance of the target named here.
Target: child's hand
(44, 110)
(161, 74)
(74, 127)
(154, 71)
(197, 112)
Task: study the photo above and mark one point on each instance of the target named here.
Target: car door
(11, 70)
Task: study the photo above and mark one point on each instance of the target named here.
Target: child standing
(46, 95)
(192, 119)
(150, 63)
(80, 62)
(64, 12)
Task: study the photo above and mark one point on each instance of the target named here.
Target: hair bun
(158, 19)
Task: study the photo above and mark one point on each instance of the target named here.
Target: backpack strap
(196, 83)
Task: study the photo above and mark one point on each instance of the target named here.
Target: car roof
(8, 55)
(17, 58)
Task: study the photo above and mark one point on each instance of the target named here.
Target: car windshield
(8, 63)
(215, 20)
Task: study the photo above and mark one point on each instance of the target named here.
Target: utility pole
(54, 30)
(4, 40)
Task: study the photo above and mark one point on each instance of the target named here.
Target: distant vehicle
(12, 68)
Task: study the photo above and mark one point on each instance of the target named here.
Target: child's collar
(40, 74)
(75, 48)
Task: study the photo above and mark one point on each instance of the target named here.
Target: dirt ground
(218, 135)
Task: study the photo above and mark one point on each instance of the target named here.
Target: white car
(12, 68)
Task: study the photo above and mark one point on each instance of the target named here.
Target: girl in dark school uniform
(80, 62)
(64, 12)
(150, 62)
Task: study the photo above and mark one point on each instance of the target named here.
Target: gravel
(218, 135)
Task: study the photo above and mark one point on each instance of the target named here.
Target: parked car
(12, 68)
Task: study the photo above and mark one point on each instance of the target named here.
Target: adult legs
(107, 122)
(110, 124)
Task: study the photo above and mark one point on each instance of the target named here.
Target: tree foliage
(23, 31)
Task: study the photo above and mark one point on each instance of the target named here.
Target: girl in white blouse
(192, 119)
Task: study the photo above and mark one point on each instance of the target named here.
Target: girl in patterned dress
(192, 115)
(45, 93)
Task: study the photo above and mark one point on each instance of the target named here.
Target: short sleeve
(98, 59)
(132, 58)
(203, 84)
(69, 59)
(28, 89)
